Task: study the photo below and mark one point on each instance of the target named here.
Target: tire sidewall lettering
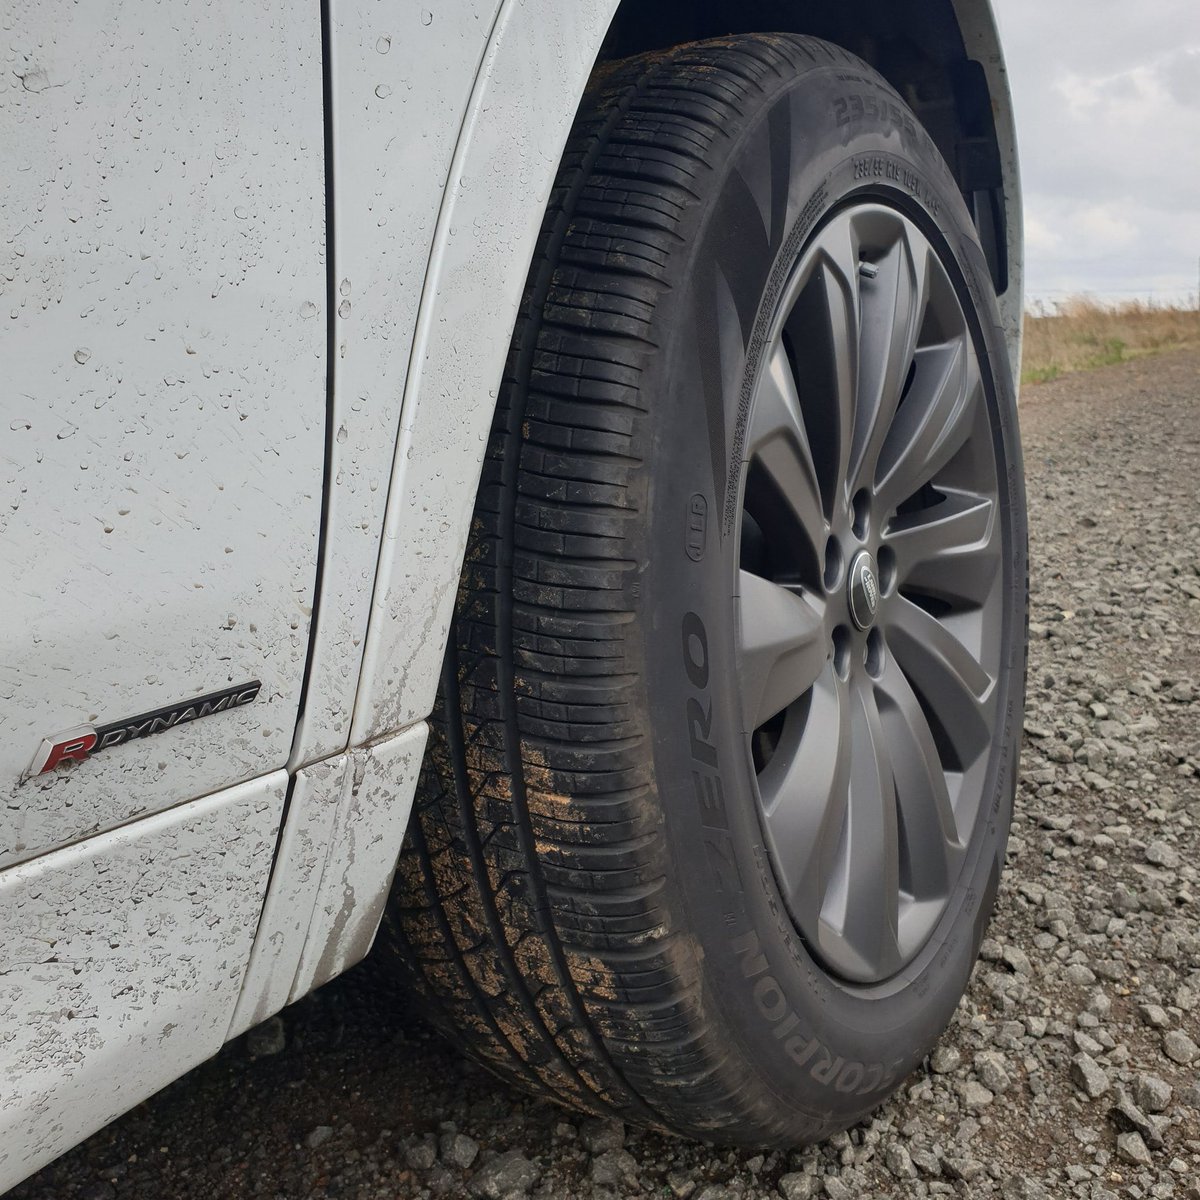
(694, 633)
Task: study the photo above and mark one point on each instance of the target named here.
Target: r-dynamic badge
(74, 745)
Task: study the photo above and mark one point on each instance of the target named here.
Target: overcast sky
(1107, 95)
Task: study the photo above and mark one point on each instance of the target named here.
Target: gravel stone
(965, 1169)
(458, 1150)
(267, 1039)
(615, 1168)
(1151, 1093)
(421, 1155)
(974, 1095)
(1180, 1048)
(989, 1066)
(507, 1177)
(599, 1134)
(1088, 1075)
(1161, 854)
(1017, 960)
(318, 1136)
(1155, 1016)
(1021, 1187)
(680, 1184)
(1132, 1149)
(899, 1162)
(1126, 1115)
(927, 1161)
(798, 1187)
(945, 1059)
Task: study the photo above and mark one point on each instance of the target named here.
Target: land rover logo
(864, 590)
(868, 582)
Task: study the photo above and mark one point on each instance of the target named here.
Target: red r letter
(75, 743)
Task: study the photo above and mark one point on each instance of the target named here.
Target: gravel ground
(1072, 1067)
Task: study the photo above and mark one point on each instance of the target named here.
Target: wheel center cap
(863, 588)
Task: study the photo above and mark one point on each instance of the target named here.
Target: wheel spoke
(932, 424)
(782, 647)
(954, 684)
(950, 550)
(824, 330)
(892, 304)
(804, 794)
(777, 440)
(930, 831)
(860, 914)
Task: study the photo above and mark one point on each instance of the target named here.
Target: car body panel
(124, 956)
(287, 913)
(346, 818)
(365, 844)
(162, 418)
(401, 77)
(520, 113)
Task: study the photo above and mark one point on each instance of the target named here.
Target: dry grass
(1082, 333)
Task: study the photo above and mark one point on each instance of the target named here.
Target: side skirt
(122, 962)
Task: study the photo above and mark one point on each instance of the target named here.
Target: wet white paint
(162, 411)
(368, 832)
(303, 848)
(513, 134)
(123, 959)
(402, 78)
(345, 823)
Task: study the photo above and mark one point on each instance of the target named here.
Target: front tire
(724, 753)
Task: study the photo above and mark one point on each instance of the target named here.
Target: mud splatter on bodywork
(122, 960)
(345, 824)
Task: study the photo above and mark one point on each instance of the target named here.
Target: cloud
(1107, 98)
(1105, 224)
(1182, 76)
(1040, 238)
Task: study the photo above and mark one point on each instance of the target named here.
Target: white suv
(538, 481)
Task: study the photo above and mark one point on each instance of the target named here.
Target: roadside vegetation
(1082, 333)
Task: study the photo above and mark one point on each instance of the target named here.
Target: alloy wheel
(870, 591)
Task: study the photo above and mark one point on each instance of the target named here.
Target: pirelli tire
(753, 496)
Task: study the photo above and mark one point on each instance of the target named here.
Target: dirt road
(1072, 1068)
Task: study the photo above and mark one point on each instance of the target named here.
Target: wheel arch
(944, 53)
(527, 88)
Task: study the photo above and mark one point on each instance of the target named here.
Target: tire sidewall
(829, 136)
